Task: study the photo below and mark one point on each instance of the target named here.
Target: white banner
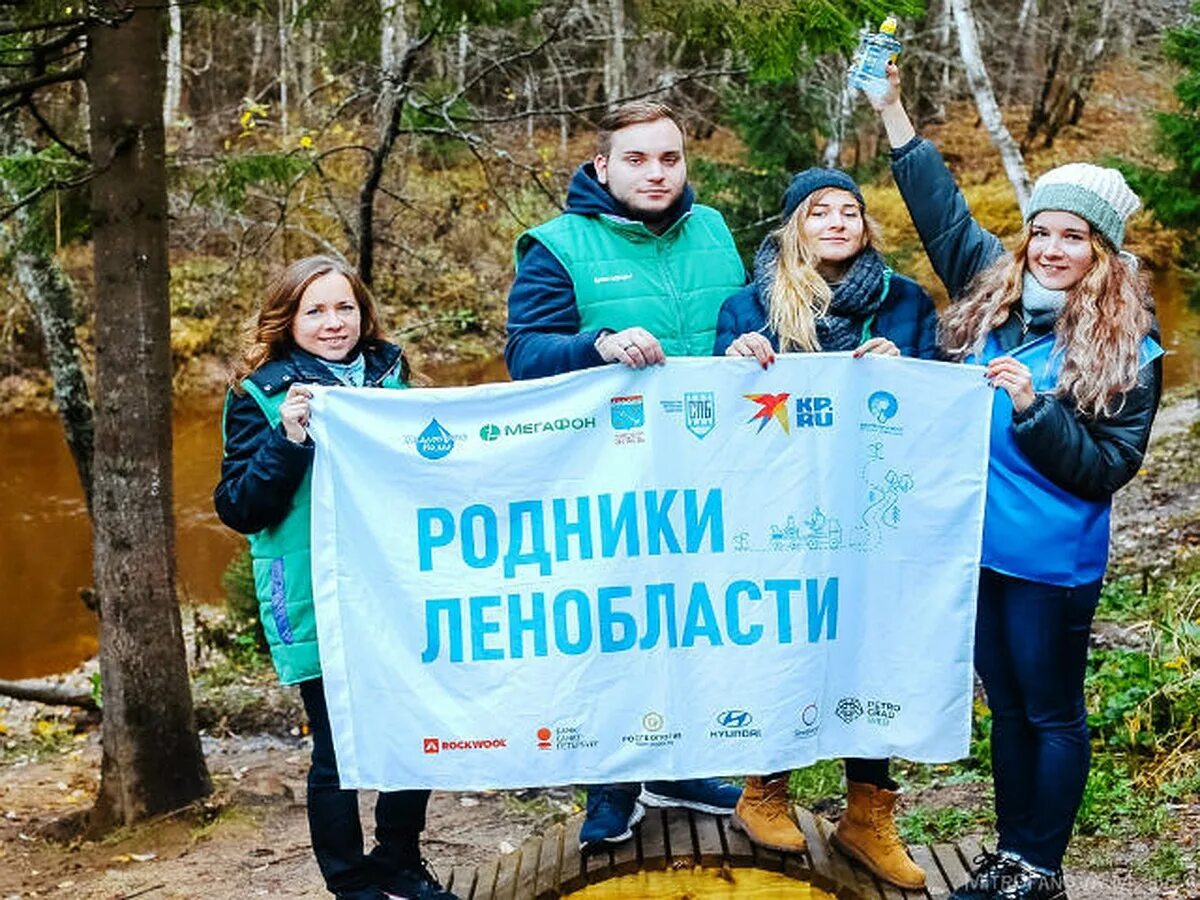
(700, 568)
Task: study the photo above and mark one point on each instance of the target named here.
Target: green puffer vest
(282, 564)
(672, 284)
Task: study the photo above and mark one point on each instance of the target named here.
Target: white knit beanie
(1094, 193)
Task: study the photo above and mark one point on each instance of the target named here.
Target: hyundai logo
(734, 718)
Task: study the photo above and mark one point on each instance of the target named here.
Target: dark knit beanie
(804, 183)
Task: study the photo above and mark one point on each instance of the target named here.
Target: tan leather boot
(765, 813)
(867, 833)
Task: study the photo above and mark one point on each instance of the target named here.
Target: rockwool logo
(434, 745)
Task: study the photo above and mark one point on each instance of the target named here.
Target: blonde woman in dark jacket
(1065, 330)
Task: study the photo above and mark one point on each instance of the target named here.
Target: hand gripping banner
(615, 575)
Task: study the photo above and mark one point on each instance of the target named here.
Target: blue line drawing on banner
(824, 532)
(786, 536)
(883, 510)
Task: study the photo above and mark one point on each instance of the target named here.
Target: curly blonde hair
(1099, 331)
(799, 293)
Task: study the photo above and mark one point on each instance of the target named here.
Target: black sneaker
(990, 871)
(416, 883)
(1024, 882)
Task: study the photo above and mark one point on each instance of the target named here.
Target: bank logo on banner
(565, 736)
(700, 412)
(770, 407)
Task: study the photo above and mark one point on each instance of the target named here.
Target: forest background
(418, 139)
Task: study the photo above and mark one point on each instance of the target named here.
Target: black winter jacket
(906, 317)
(1089, 457)
(261, 468)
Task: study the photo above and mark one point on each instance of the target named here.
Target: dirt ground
(250, 839)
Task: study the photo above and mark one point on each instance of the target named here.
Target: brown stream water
(45, 542)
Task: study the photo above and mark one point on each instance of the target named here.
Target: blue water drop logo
(435, 441)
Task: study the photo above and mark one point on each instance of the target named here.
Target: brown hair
(269, 334)
(633, 113)
(1099, 331)
(799, 293)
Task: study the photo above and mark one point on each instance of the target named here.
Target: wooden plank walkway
(551, 866)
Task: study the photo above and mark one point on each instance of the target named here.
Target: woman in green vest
(820, 284)
(317, 325)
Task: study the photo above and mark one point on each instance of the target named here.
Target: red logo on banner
(432, 745)
(543, 736)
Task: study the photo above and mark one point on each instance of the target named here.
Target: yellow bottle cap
(889, 25)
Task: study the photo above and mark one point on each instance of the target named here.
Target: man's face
(645, 169)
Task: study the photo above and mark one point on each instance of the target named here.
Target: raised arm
(958, 247)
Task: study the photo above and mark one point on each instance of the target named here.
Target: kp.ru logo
(770, 406)
(814, 412)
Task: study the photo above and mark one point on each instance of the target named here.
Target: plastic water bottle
(868, 70)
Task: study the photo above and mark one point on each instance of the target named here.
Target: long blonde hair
(799, 293)
(1099, 331)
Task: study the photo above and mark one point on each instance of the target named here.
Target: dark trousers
(860, 771)
(1031, 643)
(334, 825)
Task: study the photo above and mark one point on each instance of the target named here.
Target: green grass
(933, 825)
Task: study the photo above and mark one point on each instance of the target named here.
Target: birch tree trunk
(151, 760)
(985, 101)
(615, 63)
(281, 34)
(1016, 62)
(174, 87)
(841, 116)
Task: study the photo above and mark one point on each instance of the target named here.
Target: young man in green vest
(632, 272)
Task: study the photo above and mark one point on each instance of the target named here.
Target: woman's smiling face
(1060, 249)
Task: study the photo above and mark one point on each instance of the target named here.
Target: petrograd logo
(734, 725)
(882, 712)
(848, 709)
(770, 407)
(437, 745)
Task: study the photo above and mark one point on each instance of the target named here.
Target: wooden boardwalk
(551, 865)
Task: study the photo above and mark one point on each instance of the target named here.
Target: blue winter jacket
(543, 322)
(906, 317)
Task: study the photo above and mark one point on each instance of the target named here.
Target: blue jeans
(333, 823)
(1031, 644)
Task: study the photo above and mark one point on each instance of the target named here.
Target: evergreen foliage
(1174, 196)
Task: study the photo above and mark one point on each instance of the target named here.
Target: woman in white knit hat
(1064, 326)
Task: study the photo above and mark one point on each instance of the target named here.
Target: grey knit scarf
(856, 297)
